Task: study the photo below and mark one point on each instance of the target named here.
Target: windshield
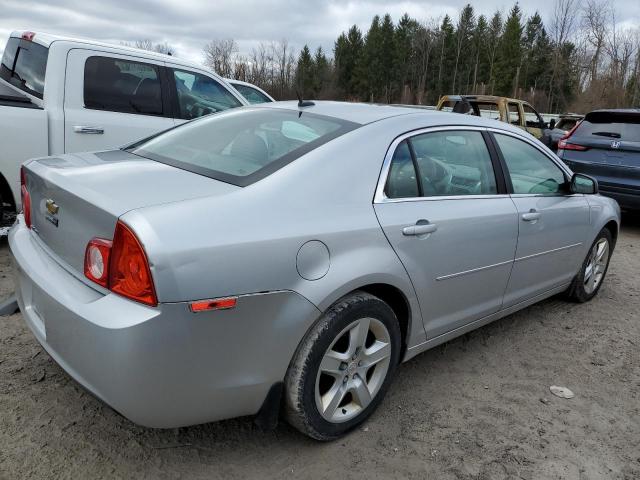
(24, 64)
(242, 146)
(622, 125)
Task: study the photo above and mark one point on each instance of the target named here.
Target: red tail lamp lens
(96, 261)
(26, 198)
(129, 273)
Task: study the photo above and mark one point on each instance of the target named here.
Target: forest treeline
(582, 59)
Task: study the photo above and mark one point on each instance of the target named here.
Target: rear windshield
(24, 64)
(242, 146)
(621, 125)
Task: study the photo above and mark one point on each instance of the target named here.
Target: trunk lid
(77, 197)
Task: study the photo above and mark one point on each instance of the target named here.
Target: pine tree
(321, 73)
(494, 35)
(370, 78)
(509, 55)
(385, 57)
(480, 51)
(446, 55)
(464, 30)
(304, 73)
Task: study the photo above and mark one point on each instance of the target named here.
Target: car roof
(365, 113)
(616, 110)
(483, 98)
(361, 113)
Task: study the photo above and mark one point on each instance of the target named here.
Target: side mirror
(552, 123)
(583, 184)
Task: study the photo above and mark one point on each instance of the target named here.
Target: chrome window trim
(381, 197)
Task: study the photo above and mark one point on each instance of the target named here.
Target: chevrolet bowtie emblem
(52, 208)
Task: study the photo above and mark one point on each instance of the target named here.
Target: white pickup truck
(62, 95)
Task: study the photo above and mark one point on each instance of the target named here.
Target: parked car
(212, 270)
(62, 95)
(563, 126)
(508, 110)
(252, 93)
(606, 145)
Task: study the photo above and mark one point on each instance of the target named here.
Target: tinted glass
(566, 123)
(454, 163)
(625, 126)
(402, 181)
(242, 146)
(122, 86)
(24, 65)
(252, 95)
(200, 95)
(530, 170)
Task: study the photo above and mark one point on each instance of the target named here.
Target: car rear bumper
(160, 367)
(626, 198)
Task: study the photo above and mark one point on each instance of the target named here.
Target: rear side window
(454, 163)
(123, 86)
(242, 146)
(200, 95)
(252, 95)
(24, 65)
(531, 171)
(402, 181)
(514, 114)
(622, 125)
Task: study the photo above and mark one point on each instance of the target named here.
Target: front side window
(123, 86)
(253, 95)
(533, 119)
(242, 146)
(531, 171)
(200, 95)
(24, 65)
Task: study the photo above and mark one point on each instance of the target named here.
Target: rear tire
(343, 367)
(588, 281)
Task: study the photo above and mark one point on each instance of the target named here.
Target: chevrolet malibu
(293, 255)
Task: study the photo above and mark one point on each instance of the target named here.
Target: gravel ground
(477, 407)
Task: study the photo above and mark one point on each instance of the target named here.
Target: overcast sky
(188, 24)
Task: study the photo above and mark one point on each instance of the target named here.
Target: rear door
(552, 223)
(112, 100)
(443, 206)
(516, 116)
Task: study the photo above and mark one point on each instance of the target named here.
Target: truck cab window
(124, 86)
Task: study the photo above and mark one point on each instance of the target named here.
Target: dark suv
(606, 145)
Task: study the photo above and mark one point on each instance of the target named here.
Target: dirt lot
(477, 407)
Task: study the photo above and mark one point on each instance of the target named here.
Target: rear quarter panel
(248, 241)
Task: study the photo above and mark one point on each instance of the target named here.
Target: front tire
(587, 283)
(343, 367)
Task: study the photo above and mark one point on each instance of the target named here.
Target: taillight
(121, 266)
(96, 261)
(564, 145)
(26, 198)
(129, 273)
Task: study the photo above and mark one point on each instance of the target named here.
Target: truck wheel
(343, 367)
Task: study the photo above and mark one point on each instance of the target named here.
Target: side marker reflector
(216, 304)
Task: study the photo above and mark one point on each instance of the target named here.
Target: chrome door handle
(89, 130)
(419, 229)
(531, 216)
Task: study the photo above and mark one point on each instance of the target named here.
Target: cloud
(188, 24)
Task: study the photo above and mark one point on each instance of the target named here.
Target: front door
(112, 100)
(451, 224)
(552, 223)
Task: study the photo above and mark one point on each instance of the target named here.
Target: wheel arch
(6, 193)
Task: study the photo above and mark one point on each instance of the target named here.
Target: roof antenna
(303, 103)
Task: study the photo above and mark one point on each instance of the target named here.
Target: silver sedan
(293, 255)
